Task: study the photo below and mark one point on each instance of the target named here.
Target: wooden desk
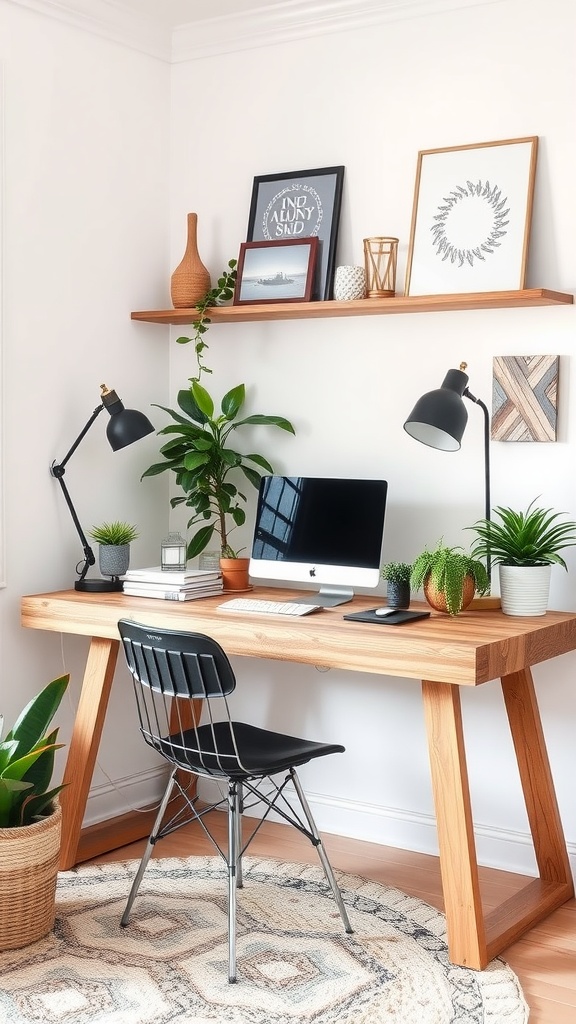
(445, 653)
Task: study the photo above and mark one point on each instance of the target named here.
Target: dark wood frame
(325, 225)
(311, 244)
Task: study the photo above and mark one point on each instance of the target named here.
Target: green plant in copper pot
(449, 577)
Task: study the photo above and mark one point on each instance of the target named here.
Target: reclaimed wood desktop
(443, 652)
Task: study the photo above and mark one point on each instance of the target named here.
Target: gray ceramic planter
(114, 559)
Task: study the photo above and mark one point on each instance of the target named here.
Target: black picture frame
(280, 271)
(299, 204)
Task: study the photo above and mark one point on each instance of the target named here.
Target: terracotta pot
(235, 573)
(437, 599)
(190, 281)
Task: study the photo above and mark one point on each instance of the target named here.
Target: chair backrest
(175, 663)
(176, 675)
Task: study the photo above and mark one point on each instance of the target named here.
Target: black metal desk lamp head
(124, 427)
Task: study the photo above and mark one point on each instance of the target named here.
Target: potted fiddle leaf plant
(449, 577)
(524, 546)
(397, 576)
(207, 467)
(30, 820)
(114, 552)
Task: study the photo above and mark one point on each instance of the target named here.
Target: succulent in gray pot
(397, 576)
(114, 540)
(524, 546)
(30, 821)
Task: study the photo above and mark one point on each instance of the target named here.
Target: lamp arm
(487, 502)
(57, 470)
(89, 558)
(478, 401)
(81, 435)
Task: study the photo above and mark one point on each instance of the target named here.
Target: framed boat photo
(280, 271)
(299, 204)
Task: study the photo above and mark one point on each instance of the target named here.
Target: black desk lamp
(439, 420)
(125, 427)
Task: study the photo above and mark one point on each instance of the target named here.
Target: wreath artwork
(290, 214)
(488, 213)
(471, 218)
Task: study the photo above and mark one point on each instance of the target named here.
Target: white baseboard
(504, 849)
(122, 796)
(389, 826)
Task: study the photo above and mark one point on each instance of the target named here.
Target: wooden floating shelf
(360, 307)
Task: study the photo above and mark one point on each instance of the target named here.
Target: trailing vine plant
(222, 292)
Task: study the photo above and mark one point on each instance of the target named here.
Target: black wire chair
(181, 683)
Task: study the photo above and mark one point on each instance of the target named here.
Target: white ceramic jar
(349, 283)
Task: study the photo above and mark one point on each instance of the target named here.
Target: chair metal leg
(322, 853)
(147, 852)
(232, 868)
(239, 811)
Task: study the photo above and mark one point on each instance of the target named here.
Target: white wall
(105, 151)
(370, 98)
(85, 189)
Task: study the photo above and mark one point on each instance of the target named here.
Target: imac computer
(320, 530)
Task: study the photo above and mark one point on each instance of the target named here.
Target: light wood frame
(471, 217)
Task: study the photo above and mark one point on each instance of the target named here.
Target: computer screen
(320, 530)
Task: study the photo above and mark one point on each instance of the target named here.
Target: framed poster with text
(298, 204)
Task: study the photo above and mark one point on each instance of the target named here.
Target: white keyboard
(255, 607)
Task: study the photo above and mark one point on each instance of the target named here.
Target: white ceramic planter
(524, 589)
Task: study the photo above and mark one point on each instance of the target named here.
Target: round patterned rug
(295, 962)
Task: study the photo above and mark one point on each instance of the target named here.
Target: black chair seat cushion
(260, 752)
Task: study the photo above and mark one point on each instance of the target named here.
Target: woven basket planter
(28, 869)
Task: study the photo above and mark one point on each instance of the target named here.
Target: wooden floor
(544, 960)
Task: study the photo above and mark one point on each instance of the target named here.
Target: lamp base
(113, 585)
(487, 603)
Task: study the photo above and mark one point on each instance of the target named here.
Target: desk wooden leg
(536, 777)
(458, 865)
(475, 939)
(85, 742)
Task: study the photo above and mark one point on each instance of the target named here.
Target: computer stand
(327, 597)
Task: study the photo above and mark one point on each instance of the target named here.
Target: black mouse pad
(394, 619)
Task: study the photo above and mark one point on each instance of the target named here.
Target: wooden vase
(190, 281)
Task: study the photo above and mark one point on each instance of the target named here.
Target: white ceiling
(183, 12)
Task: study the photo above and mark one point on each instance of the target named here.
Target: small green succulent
(396, 572)
(116, 533)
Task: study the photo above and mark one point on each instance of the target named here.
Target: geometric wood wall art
(524, 398)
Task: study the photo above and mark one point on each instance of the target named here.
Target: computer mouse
(385, 611)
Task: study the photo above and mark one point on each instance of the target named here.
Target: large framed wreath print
(471, 218)
(298, 204)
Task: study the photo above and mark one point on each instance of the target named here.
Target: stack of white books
(170, 585)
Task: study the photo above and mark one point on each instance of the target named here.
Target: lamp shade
(439, 417)
(125, 425)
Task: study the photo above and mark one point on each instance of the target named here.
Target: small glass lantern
(173, 553)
